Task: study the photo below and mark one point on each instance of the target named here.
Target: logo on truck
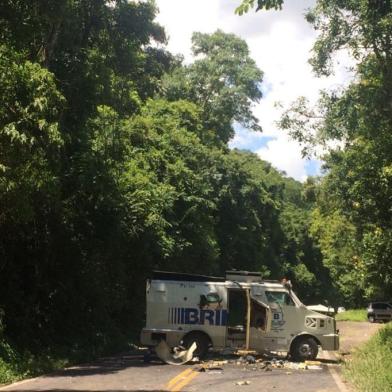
(277, 319)
(191, 316)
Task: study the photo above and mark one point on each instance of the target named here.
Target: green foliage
(246, 5)
(362, 26)
(352, 315)
(352, 223)
(370, 368)
(377, 251)
(337, 241)
(9, 361)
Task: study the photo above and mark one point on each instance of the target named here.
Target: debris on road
(315, 363)
(314, 367)
(256, 362)
(246, 382)
(180, 357)
(213, 367)
(307, 365)
(211, 370)
(244, 353)
(295, 365)
(249, 360)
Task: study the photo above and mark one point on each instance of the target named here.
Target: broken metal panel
(179, 357)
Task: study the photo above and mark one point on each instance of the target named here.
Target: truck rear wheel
(202, 342)
(304, 349)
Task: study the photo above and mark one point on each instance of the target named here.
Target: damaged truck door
(249, 318)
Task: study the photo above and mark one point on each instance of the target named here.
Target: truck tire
(371, 318)
(202, 341)
(303, 349)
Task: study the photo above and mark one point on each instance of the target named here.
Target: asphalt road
(129, 373)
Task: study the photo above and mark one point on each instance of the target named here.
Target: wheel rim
(305, 350)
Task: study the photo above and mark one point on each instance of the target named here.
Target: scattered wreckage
(189, 314)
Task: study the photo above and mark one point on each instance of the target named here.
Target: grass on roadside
(352, 315)
(370, 368)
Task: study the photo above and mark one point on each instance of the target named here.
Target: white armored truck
(241, 311)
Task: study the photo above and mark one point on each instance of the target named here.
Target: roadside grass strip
(370, 368)
(352, 315)
(181, 380)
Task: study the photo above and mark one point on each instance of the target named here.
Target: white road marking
(336, 377)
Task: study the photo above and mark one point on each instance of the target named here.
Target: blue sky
(249, 140)
(280, 42)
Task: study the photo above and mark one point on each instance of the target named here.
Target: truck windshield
(279, 297)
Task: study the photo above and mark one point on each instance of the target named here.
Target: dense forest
(114, 161)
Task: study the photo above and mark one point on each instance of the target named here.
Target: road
(129, 373)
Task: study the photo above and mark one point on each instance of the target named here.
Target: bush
(8, 372)
(16, 365)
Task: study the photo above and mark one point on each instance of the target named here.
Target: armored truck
(240, 311)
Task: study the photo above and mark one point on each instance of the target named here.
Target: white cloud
(280, 42)
(183, 17)
(285, 155)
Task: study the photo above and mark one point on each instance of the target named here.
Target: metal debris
(250, 359)
(179, 357)
(213, 366)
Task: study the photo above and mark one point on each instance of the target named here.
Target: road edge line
(336, 377)
(4, 387)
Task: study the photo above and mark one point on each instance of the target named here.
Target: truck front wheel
(304, 349)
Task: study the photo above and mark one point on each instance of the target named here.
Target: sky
(280, 42)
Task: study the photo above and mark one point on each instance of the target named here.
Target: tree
(223, 81)
(359, 120)
(70, 72)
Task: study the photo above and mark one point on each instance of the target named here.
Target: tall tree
(223, 80)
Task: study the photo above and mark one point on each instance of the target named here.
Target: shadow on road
(105, 366)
